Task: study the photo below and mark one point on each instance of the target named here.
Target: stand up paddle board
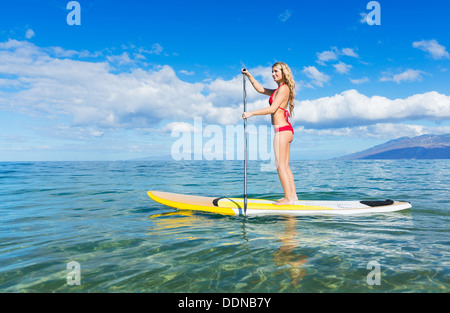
(235, 206)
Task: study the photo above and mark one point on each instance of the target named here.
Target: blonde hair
(289, 81)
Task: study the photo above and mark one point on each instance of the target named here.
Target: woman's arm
(281, 96)
(258, 87)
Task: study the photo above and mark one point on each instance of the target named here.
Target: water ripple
(98, 214)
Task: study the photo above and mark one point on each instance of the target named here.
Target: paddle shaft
(245, 147)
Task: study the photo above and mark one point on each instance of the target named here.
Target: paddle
(245, 146)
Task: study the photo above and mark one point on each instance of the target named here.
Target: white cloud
(408, 75)
(360, 80)
(156, 49)
(334, 54)
(178, 127)
(224, 93)
(265, 74)
(123, 59)
(378, 130)
(349, 52)
(350, 108)
(326, 56)
(60, 52)
(342, 68)
(29, 34)
(91, 95)
(318, 78)
(92, 99)
(432, 47)
(363, 19)
(185, 72)
(285, 15)
(74, 133)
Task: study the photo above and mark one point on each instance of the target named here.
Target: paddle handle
(245, 146)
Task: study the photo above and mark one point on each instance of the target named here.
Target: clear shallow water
(99, 215)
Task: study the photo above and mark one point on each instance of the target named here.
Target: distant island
(420, 147)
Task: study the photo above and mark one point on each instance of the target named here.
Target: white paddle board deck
(235, 206)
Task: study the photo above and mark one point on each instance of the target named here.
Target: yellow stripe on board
(191, 206)
(239, 204)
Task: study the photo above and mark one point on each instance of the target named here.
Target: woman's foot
(284, 202)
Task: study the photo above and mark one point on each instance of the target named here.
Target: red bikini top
(271, 97)
(286, 113)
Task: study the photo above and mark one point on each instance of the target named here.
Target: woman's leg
(291, 176)
(282, 144)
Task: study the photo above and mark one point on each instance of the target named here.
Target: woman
(280, 99)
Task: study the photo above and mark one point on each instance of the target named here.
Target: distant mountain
(421, 147)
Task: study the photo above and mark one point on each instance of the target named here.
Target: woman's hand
(246, 115)
(245, 72)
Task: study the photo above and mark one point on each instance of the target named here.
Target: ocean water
(99, 215)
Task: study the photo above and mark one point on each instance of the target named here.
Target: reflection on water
(245, 254)
(172, 220)
(285, 255)
(239, 236)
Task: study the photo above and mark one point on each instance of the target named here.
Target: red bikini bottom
(284, 128)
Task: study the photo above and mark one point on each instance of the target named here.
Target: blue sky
(118, 85)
